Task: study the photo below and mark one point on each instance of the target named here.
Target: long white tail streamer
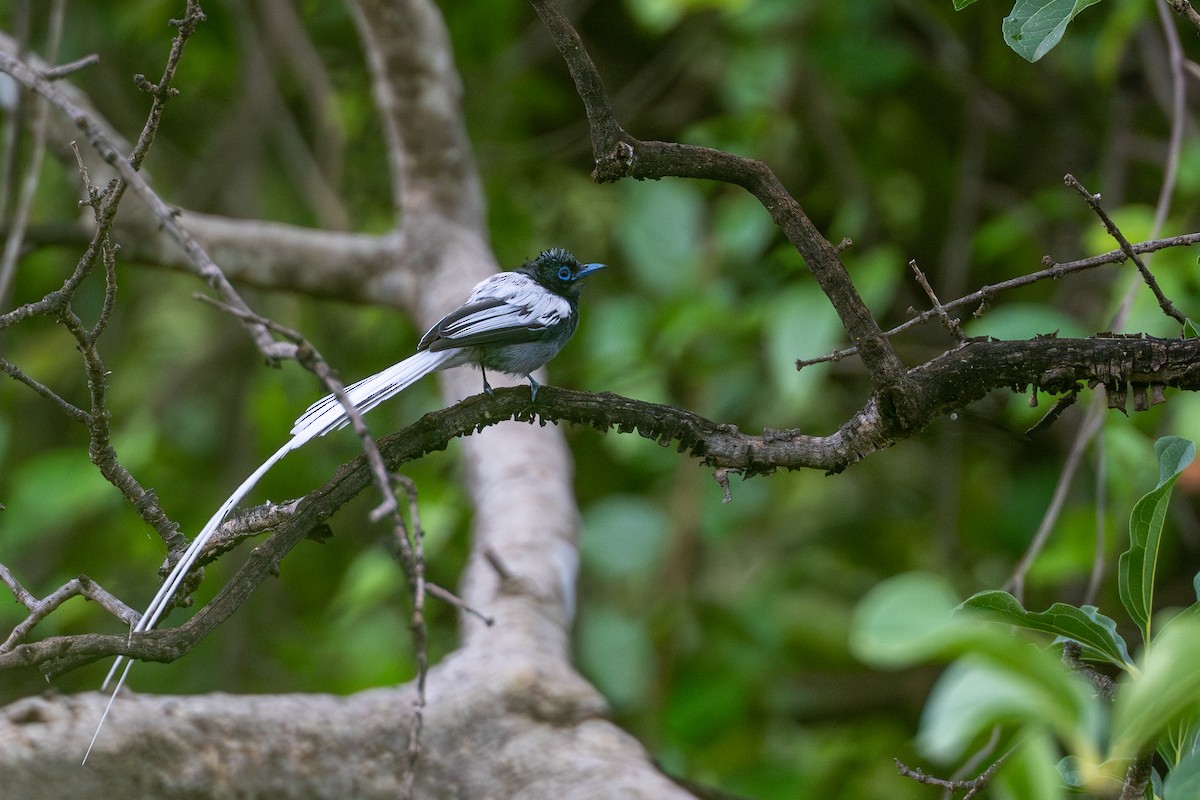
(323, 416)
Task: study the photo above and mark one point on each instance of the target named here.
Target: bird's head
(559, 271)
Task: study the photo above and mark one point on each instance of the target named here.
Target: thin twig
(193, 15)
(1100, 510)
(70, 68)
(39, 609)
(1091, 423)
(71, 410)
(980, 756)
(445, 595)
(983, 295)
(1051, 416)
(948, 322)
(414, 570)
(1093, 201)
(1179, 117)
(973, 786)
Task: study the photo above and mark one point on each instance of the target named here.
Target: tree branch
(950, 382)
(620, 155)
(1185, 9)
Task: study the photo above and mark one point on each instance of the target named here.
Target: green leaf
(977, 692)
(1034, 27)
(911, 618)
(1190, 331)
(1096, 633)
(906, 620)
(1166, 693)
(1183, 782)
(959, 5)
(1180, 741)
(1030, 771)
(1136, 567)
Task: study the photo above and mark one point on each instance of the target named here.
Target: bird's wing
(508, 308)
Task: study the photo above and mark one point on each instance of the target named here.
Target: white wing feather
(523, 303)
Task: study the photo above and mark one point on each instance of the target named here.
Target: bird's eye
(564, 273)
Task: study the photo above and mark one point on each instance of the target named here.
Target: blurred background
(717, 631)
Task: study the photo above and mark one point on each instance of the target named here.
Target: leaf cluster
(1037, 694)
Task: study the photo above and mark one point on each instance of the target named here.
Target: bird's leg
(487, 387)
(533, 387)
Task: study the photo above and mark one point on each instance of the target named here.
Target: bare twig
(1100, 512)
(1179, 116)
(414, 570)
(1093, 201)
(981, 756)
(70, 68)
(39, 609)
(1091, 424)
(71, 410)
(193, 15)
(973, 786)
(497, 563)
(447, 596)
(983, 295)
(1187, 11)
(948, 322)
(1051, 416)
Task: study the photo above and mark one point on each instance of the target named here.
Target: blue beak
(588, 269)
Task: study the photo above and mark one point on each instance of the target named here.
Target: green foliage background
(718, 631)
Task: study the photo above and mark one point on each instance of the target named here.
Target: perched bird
(513, 322)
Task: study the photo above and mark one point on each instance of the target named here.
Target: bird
(513, 322)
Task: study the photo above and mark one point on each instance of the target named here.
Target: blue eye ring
(564, 273)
